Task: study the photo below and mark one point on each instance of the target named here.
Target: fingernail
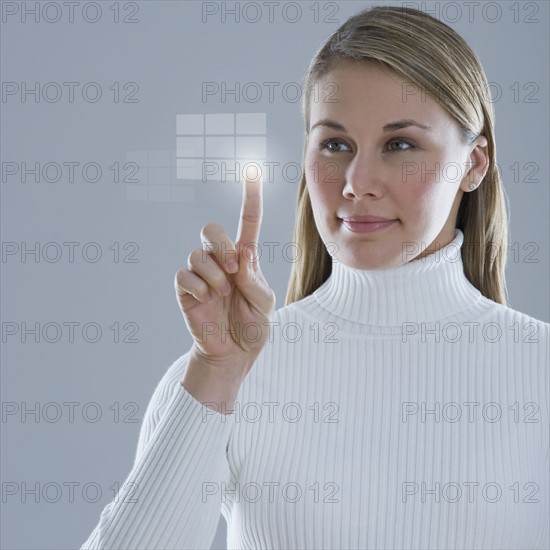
(232, 265)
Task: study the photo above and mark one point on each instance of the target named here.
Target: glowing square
(220, 124)
(251, 147)
(189, 169)
(190, 146)
(223, 147)
(189, 124)
(251, 123)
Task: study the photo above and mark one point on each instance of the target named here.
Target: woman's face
(411, 175)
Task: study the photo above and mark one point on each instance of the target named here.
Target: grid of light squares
(212, 147)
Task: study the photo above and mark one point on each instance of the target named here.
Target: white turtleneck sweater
(393, 408)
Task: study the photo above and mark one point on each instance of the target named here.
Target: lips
(366, 219)
(366, 227)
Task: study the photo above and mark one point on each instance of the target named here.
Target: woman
(396, 401)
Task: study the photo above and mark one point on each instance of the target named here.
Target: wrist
(213, 385)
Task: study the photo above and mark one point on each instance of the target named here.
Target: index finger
(250, 220)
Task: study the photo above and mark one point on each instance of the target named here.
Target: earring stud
(472, 186)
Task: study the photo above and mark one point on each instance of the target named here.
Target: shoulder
(527, 344)
(525, 327)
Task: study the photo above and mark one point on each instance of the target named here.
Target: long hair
(435, 58)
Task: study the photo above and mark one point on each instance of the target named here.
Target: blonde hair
(436, 59)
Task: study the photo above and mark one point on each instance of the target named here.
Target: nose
(362, 178)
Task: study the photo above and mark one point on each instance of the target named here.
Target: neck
(427, 289)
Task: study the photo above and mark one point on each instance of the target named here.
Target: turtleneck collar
(422, 290)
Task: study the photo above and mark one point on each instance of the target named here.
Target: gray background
(169, 53)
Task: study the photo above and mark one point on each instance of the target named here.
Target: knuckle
(211, 228)
(252, 218)
(194, 256)
(179, 283)
(220, 281)
(202, 291)
(180, 276)
(229, 255)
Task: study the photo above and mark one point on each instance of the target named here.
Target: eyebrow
(391, 126)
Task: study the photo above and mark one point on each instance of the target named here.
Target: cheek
(324, 198)
(324, 179)
(417, 191)
(425, 201)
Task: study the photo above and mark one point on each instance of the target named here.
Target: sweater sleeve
(171, 497)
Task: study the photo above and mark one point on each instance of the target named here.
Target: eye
(397, 140)
(324, 146)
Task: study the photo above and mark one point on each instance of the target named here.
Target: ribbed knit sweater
(390, 409)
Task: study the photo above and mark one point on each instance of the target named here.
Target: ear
(479, 163)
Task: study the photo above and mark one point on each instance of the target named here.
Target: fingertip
(253, 173)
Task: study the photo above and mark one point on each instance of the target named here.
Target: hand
(216, 299)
